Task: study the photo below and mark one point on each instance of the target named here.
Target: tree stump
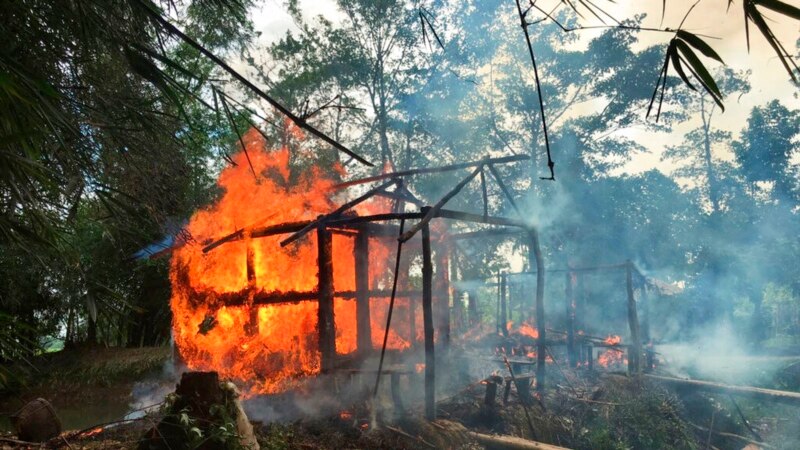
(201, 407)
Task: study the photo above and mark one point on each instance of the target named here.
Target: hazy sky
(769, 80)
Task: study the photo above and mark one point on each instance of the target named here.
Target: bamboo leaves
(681, 55)
(752, 14)
(425, 22)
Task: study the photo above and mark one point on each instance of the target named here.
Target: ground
(586, 411)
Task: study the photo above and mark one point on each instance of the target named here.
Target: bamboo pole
(535, 259)
(337, 212)
(325, 324)
(569, 297)
(427, 318)
(443, 296)
(441, 169)
(503, 305)
(511, 442)
(773, 395)
(363, 326)
(433, 211)
(635, 349)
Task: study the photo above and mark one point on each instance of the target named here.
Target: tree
(766, 149)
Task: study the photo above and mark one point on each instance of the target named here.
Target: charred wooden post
(635, 349)
(491, 389)
(427, 319)
(363, 328)
(497, 318)
(443, 297)
(251, 327)
(472, 305)
(590, 355)
(535, 259)
(325, 325)
(569, 296)
(645, 301)
(504, 304)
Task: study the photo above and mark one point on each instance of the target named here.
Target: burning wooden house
(277, 283)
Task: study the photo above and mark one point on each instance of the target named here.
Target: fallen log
(511, 442)
(785, 397)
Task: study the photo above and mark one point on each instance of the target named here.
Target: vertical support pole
(427, 319)
(645, 301)
(363, 326)
(251, 264)
(472, 305)
(535, 259)
(590, 354)
(325, 325)
(569, 297)
(443, 297)
(503, 304)
(580, 307)
(635, 349)
(497, 317)
(251, 327)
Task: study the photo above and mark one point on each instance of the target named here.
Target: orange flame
(611, 357)
(612, 339)
(527, 330)
(93, 431)
(266, 346)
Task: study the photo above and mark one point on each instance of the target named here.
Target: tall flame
(266, 346)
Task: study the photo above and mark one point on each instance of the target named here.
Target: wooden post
(635, 349)
(569, 297)
(443, 297)
(590, 354)
(251, 327)
(427, 319)
(325, 325)
(363, 327)
(535, 259)
(472, 305)
(497, 317)
(503, 305)
(645, 301)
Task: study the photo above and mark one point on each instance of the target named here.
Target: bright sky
(769, 79)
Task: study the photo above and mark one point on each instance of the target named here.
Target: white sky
(769, 79)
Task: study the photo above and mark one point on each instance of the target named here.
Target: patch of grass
(87, 367)
(276, 436)
(635, 414)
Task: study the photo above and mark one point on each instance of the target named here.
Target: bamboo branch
(423, 170)
(172, 29)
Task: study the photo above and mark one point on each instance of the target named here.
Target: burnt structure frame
(364, 227)
(639, 329)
